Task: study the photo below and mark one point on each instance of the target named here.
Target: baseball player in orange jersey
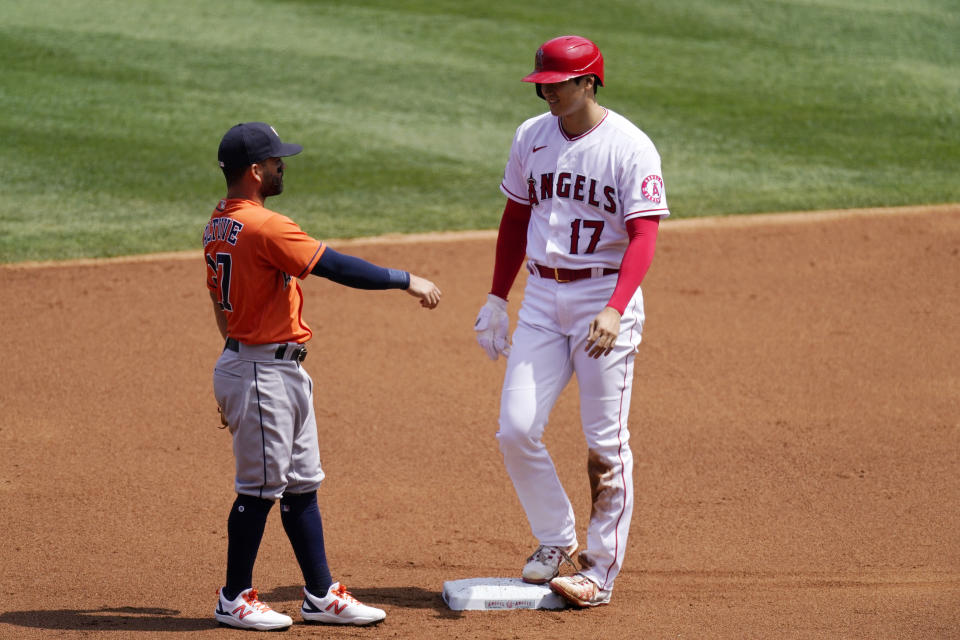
(584, 200)
(254, 259)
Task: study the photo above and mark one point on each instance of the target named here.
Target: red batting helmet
(564, 58)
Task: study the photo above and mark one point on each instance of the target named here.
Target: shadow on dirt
(106, 619)
(404, 597)
(168, 620)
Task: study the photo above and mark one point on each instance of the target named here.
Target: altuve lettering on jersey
(225, 229)
(254, 256)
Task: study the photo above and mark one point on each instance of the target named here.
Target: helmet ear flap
(540, 92)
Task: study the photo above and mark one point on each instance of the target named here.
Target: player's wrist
(617, 305)
(499, 302)
(399, 279)
(497, 293)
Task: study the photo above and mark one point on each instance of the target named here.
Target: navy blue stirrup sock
(248, 518)
(301, 520)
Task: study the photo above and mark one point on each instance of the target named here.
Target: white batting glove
(492, 326)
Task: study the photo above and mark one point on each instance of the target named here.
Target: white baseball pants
(548, 347)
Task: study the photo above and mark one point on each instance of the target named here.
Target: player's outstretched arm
(422, 288)
(356, 272)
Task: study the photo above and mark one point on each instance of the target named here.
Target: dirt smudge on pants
(602, 488)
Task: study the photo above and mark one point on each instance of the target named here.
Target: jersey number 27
(221, 277)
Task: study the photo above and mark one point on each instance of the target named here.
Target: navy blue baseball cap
(252, 142)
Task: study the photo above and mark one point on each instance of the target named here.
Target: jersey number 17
(595, 225)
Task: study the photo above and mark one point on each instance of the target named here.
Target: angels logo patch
(652, 188)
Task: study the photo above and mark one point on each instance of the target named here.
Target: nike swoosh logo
(535, 149)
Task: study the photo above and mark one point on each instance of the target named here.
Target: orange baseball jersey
(254, 257)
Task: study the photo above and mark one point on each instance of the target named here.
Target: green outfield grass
(113, 109)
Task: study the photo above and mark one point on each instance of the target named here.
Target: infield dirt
(795, 428)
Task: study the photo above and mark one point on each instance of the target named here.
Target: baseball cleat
(579, 590)
(247, 612)
(544, 565)
(338, 607)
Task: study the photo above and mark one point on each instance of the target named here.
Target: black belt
(568, 275)
(298, 353)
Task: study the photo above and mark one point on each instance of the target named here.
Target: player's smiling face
(567, 97)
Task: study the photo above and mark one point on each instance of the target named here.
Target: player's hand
(492, 326)
(422, 288)
(603, 332)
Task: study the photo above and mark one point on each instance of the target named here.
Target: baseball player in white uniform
(584, 201)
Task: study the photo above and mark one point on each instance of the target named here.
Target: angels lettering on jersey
(573, 186)
(610, 172)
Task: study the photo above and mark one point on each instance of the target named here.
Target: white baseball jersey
(582, 192)
(583, 189)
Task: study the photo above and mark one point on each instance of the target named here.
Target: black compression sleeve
(358, 273)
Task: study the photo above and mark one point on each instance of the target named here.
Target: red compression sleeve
(511, 246)
(636, 259)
